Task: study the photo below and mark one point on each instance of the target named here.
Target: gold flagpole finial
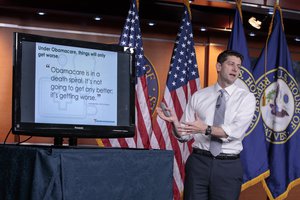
(239, 7)
(137, 4)
(187, 4)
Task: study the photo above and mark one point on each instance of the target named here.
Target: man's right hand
(171, 118)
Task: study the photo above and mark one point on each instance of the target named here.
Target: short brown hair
(222, 57)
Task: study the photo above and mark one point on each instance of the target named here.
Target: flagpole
(239, 7)
(270, 31)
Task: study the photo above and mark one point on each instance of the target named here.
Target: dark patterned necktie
(216, 143)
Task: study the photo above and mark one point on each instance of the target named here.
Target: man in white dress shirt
(208, 176)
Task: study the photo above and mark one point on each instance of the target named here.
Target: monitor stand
(72, 141)
(58, 141)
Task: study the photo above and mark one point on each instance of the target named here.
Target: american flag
(132, 37)
(182, 82)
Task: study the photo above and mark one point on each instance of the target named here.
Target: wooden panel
(200, 53)
(5, 82)
(255, 192)
(217, 45)
(214, 51)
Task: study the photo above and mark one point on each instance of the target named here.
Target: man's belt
(221, 156)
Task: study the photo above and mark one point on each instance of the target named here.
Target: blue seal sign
(281, 109)
(152, 84)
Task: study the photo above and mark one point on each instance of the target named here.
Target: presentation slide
(75, 85)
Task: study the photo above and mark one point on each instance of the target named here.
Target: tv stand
(58, 141)
(72, 141)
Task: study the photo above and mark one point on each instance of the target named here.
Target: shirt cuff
(227, 132)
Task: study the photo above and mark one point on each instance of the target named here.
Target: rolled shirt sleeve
(237, 127)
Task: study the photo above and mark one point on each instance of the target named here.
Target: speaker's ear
(219, 67)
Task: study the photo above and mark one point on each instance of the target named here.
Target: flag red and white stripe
(182, 82)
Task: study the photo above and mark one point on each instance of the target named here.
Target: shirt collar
(229, 90)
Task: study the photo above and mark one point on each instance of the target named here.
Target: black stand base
(72, 141)
(58, 141)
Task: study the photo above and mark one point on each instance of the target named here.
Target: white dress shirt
(240, 107)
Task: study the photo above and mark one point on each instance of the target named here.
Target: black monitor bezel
(67, 130)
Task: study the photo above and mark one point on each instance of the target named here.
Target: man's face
(228, 71)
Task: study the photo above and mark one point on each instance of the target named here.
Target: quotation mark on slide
(47, 65)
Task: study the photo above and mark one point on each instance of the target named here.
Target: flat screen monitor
(72, 88)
